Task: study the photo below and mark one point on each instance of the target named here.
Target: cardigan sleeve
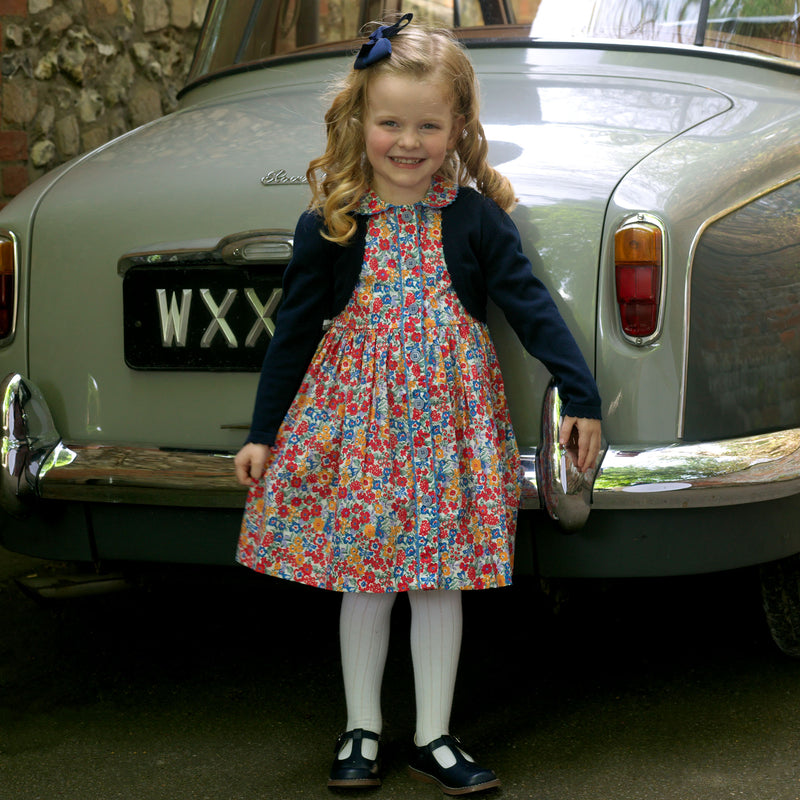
(532, 313)
(305, 304)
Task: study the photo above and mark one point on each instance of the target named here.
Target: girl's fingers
(582, 437)
(250, 462)
(589, 439)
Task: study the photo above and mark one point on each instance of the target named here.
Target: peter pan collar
(441, 193)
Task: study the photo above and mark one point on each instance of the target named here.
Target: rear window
(765, 27)
(243, 32)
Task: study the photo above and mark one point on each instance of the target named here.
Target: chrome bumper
(36, 463)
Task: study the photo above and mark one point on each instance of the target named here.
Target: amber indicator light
(638, 267)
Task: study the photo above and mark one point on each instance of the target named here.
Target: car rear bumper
(37, 465)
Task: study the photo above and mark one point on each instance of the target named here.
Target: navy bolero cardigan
(483, 253)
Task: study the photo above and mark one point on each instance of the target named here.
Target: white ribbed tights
(436, 625)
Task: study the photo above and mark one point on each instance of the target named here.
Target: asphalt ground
(222, 685)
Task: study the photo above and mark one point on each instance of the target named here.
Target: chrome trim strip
(206, 252)
(687, 294)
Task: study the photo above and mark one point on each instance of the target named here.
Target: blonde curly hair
(340, 177)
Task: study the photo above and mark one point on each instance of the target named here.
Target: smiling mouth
(406, 161)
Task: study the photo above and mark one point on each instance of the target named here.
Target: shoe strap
(356, 735)
(448, 741)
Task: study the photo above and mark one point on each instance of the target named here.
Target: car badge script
(279, 177)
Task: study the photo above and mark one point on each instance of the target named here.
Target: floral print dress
(396, 467)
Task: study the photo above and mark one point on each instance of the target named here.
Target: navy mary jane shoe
(464, 777)
(355, 771)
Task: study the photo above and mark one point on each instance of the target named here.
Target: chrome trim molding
(37, 464)
(249, 248)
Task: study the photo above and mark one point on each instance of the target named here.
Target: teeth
(407, 160)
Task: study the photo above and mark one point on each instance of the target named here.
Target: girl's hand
(250, 462)
(583, 438)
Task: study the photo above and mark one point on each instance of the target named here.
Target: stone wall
(77, 73)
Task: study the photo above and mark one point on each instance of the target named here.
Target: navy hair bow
(379, 47)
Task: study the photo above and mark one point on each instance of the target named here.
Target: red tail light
(638, 271)
(7, 286)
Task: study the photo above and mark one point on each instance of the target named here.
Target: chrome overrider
(37, 465)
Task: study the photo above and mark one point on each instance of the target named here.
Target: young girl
(391, 465)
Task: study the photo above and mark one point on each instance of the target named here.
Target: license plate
(199, 318)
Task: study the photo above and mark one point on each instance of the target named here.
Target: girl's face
(408, 129)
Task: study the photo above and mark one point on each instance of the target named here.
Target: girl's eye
(388, 123)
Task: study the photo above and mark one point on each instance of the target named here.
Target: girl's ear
(458, 129)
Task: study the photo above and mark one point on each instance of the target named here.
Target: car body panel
(217, 152)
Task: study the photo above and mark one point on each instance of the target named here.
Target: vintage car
(655, 150)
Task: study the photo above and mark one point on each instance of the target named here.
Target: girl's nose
(409, 138)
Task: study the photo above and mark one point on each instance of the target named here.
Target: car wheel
(780, 595)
